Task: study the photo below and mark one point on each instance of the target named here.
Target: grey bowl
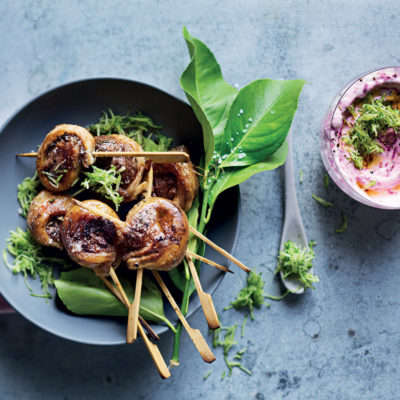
(81, 103)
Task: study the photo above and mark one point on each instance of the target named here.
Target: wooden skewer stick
(209, 262)
(118, 295)
(113, 290)
(149, 183)
(196, 336)
(117, 283)
(219, 249)
(155, 355)
(205, 298)
(133, 315)
(155, 156)
(151, 347)
(98, 212)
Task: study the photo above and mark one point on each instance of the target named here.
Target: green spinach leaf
(84, 293)
(258, 121)
(180, 275)
(229, 177)
(243, 132)
(208, 93)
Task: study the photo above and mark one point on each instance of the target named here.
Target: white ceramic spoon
(293, 228)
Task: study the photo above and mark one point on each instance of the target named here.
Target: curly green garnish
(27, 190)
(326, 181)
(227, 343)
(322, 201)
(252, 295)
(104, 182)
(295, 263)
(138, 127)
(344, 224)
(373, 119)
(30, 260)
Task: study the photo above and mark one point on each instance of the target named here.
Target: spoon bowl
(293, 228)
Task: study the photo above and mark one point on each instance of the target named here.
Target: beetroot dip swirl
(362, 135)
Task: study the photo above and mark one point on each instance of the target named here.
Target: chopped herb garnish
(27, 190)
(227, 344)
(344, 224)
(138, 127)
(56, 174)
(207, 374)
(376, 122)
(326, 181)
(252, 295)
(295, 262)
(370, 184)
(104, 182)
(30, 260)
(321, 201)
(277, 298)
(53, 178)
(239, 354)
(243, 326)
(301, 176)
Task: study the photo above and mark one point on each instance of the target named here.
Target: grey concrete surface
(340, 341)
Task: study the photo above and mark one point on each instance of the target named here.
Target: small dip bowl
(377, 183)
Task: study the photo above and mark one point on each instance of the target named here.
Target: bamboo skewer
(219, 249)
(205, 298)
(151, 347)
(209, 262)
(149, 184)
(118, 295)
(113, 289)
(155, 156)
(98, 212)
(155, 354)
(133, 315)
(194, 334)
(117, 283)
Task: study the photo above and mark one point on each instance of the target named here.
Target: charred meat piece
(61, 156)
(132, 168)
(155, 235)
(89, 239)
(45, 217)
(177, 182)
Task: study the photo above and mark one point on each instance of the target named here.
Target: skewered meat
(61, 156)
(133, 167)
(177, 182)
(45, 217)
(155, 235)
(89, 239)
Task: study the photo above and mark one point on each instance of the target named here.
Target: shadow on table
(36, 364)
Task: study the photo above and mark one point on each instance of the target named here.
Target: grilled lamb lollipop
(45, 217)
(63, 153)
(131, 168)
(89, 239)
(176, 182)
(155, 235)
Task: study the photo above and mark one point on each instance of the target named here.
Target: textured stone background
(339, 342)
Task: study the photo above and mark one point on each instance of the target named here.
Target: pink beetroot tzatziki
(360, 139)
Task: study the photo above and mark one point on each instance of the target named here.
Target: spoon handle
(291, 203)
(293, 225)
